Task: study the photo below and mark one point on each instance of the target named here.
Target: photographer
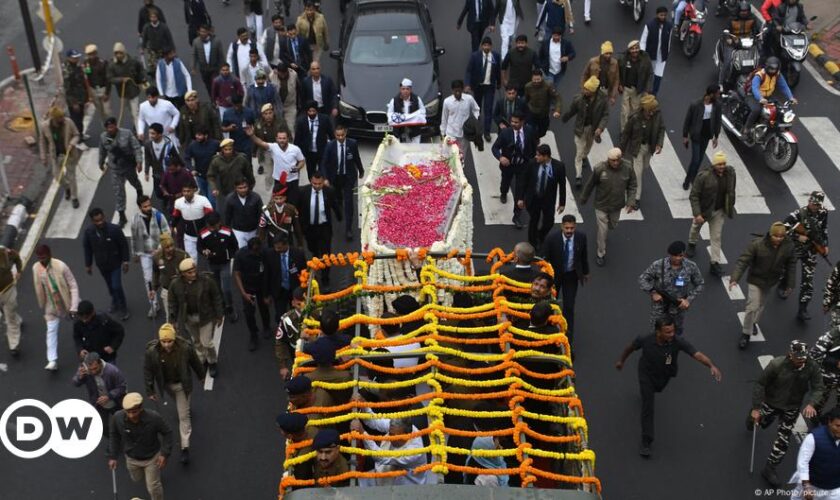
(673, 283)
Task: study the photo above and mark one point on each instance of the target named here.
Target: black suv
(380, 43)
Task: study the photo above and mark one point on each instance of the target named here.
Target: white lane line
(827, 136)
(722, 256)
(670, 174)
(66, 222)
(800, 428)
(753, 338)
(764, 361)
(735, 293)
(748, 199)
(489, 177)
(704, 232)
(801, 183)
(597, 154)
(571, 202)
(217, 341)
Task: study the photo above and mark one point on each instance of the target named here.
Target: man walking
(127, 76)
(702, 124)
(196, 304)
(543, 103)
(76, 93)
(158, 151)
(225, 87)
(283, 265)
(146, 441)
(673, 283)
(591, 113)
(97, 333)
(96, 71)
(105, 243)
(657, 366)
(543, 186)
(831, 296)
(312, 26)
(642, 137)
(167, 364)
(173, 78)
(318, 208)
(313, 130)
(518, 64)
(508, 13)
(123, 154)
(604, 67)
(59, 141)
(457, 109)
(786, 383)
(656, 41)
(514, 147)
(167, 260)
(771, 261)
(58, 296)
(226, 169)
(506, 107)
(10, 269)
(614, 183)
(826, 353)
(341, 164)
(218, 246)
(157, 110)
(484, 76)
(242, 212)
(207, 56)
(712, 200)
(818, 462)
(105, 384)
(288, 161)
(479, 15)
(554, 55)
(634, 72)
(566, 251)
(808, 228)
(196, 116)
(249, 275)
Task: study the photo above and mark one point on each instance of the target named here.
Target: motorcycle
(794, 48)
(734, 57)
(728, 7)
(638, 7)
(691, 29)
(771, 132)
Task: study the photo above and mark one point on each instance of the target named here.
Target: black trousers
(281, 298)
(177, 101)
(540, 124)
(207, 77)
(648, 387)
(319, 240)
(568, 287)
(313, 160)
(476, 34)
(344, 186)
(540, 222)
(250, 310)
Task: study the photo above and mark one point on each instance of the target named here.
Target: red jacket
(767, 7)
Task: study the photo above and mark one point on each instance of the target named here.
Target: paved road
(700, 432)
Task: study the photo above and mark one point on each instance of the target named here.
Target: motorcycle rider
(742, 25)
(762, 87)
(787, 13)
(680, 6)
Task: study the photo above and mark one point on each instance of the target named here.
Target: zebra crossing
(666, 180)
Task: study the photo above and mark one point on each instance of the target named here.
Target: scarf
(486, 443)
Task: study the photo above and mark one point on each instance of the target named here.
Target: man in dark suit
(543, 184)
(283, 265)
(318, 204)
(208, 68)
(566, 252)
(340, 163)
(507, 107)
(554, 55)
(514, 148)
(522, 268)
(480, 15)
(483, 77)
(296, 51)
(312, 131)
(321, 89)
(700, 129)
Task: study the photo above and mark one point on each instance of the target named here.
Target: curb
(827, 64)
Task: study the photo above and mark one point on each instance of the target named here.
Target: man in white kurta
(407, 113)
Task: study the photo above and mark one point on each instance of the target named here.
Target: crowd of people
(203, 235)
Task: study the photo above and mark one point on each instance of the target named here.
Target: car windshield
(388, 40)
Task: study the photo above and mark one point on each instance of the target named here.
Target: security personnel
(826, 353)
(779, 392)
(96, 332)
(248, 274)
(329, 462)
(280, 216)
(831, 296)
(673, 283)
(712, 201)
(288, 332)
(294, 428)
(166, 261)
(813, 219)
(218, 245)
(10, 268)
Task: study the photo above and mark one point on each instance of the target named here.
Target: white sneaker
(51, 366)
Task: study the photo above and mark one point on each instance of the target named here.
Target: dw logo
(29, 428)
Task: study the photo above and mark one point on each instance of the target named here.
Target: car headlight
(348, 110)
(432, 107)
(788, 116)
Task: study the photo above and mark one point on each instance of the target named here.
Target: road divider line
(669, 175)
(735, 293)
(826, 135)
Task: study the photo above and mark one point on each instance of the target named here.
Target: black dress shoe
(213, 370)
(66, 194)
(15, 353)
(600, 261)
(75, 203)
(644, 450)
(715, 269)
(232, 315)
(686, 185)
(260, 170)
(185, 456)
(743, 342)
(769, 474)
(503, 198)
(578, 183)
(125, 315)
(487, 136)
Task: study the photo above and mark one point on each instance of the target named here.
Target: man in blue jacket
(483, 77)
(555, 53)
(105, 243)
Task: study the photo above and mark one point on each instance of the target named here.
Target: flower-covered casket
(415, 196)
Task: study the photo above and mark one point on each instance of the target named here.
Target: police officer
(10, 268)
(808, 227)
(826, 353)
(831, 296)
(780, 392)
(673, 283)
(166, 260)
(218, 245)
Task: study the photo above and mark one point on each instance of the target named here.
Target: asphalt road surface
(701, 449)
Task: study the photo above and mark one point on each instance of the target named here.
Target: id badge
(668, 360)
(679, 281)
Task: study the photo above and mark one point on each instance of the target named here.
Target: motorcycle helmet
(744, 11)
(772, 65)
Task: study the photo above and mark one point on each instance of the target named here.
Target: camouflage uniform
(684, 282)
(826, 353)
(831, 296)
(817, 225)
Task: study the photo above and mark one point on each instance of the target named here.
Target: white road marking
(217, 341)
(801, 183)
(735, 293)
(764, 361)
(489, 177)
(597, 154)
(66, 222)
(571, 202)
(753, 338)
(131, 207)
(748, 199)
(827, 136)
(704, 232)
(669, 175)
(722, 256)
(4, 367)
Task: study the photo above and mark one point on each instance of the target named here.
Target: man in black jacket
(218, 245)
(105, 243)
(97, 333)
(340, 163)
(505, 108)
(296, 52)
(207, 68)
(480, 15)
(702, 124)
(318, 204)
(328, 104)
(242, 212)
(312, 132)
(283, 265)
(514, 148)
(249, 275)
(543, 184)
(566, 252)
